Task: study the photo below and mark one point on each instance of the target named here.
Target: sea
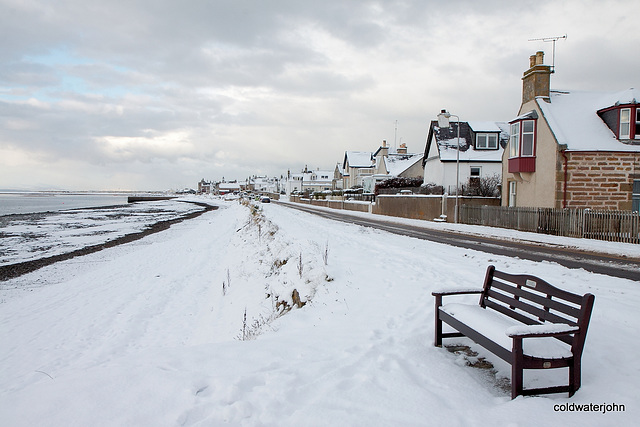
(25, 203)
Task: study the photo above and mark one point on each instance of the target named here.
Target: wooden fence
(615, 226)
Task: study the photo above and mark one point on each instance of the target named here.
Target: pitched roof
(447, 140)
(396, 164)
(358, 159)
(574, 120)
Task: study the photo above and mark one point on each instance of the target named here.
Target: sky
(156, 95)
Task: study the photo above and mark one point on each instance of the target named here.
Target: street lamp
(443, 122)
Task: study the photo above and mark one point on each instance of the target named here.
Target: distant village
(563, 149)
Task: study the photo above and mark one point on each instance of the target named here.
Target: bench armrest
(457, 292)
(549, 330)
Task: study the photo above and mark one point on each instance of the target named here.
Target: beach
(33, 240)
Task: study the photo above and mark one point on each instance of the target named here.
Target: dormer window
(486, 141)
(623, 120)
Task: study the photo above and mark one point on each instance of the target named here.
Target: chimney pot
(539, 57)
(532, 61)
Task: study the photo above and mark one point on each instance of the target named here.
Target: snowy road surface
(143, 334)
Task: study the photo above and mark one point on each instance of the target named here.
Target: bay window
(522, 146)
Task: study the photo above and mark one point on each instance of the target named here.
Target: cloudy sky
(158, 94)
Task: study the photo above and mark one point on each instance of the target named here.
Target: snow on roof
(359, 159)
(395, 164)
(478, 126)
(228, 185)
(447, 141)
(573, 118)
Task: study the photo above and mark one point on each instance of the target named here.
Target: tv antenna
(553, 40)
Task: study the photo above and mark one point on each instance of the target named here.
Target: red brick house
(572, 149)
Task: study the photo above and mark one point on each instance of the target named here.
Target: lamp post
(443, 122)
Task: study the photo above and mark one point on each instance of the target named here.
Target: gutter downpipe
(566, 172)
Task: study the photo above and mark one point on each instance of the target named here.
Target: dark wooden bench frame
(511, 295)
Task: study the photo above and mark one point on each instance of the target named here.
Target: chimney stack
(535, 81)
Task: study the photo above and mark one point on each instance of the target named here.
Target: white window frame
(528, 136)
(486, 141)
(512, 193)
(471, 168)
(625, 123)
(514, 140)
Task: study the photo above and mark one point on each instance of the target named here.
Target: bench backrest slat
(540, 313)
(509, 312)
(539, 285)
(545, 301)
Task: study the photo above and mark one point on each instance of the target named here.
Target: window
(514, 140)
(527, 138)
(512, 193)
(486, 141)
(635, 196)
(475, 172)
(637, 123)
(625, 123)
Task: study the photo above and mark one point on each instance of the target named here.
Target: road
(610, 265)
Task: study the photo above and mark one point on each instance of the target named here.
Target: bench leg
(574, 375)
(438, 323)
(516, 368)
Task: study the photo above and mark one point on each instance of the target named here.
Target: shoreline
(11, 271)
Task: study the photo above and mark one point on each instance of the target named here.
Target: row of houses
(563, 149)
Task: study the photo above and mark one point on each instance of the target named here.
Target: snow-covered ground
(154, 332)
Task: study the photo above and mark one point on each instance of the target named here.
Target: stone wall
(599, 180)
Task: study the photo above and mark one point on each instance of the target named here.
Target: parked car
(265, 199)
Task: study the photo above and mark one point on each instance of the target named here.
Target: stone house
(572, 149)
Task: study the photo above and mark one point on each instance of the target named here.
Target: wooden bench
(525, 321)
